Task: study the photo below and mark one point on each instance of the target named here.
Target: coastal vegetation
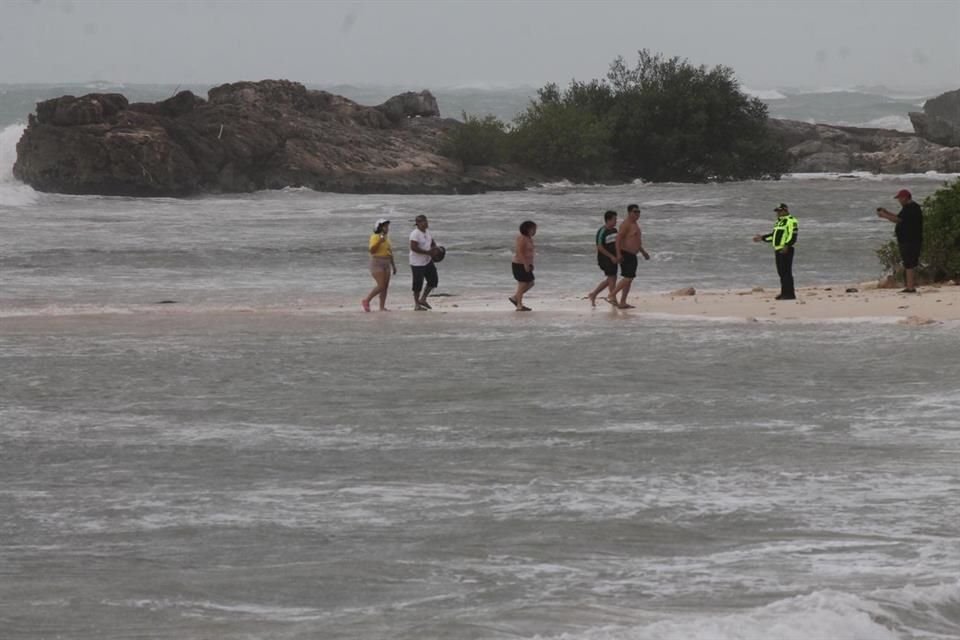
(480, 141)
(663, 119)
(940, 256)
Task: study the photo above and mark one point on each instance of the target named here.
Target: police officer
(783, 238)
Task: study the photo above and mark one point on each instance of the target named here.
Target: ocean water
(263, 460)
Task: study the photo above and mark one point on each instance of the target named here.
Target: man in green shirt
(607, 256)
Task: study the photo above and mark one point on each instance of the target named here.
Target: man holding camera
(909, 231)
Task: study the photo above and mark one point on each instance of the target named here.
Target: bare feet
(593, 299)
(524, 308)
(366, 305)
(624, 305)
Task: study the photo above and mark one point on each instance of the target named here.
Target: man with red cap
(909, 231)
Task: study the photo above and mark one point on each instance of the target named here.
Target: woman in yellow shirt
(381, 264)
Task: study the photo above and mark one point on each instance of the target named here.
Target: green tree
(478, 141)
(677, 121)
(940, 257)
(662, 119)
(561, 138)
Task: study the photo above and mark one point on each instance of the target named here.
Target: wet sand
(820, 303)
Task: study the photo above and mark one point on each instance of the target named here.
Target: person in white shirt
(422, 251)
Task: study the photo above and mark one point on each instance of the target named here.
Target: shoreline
(823, 303)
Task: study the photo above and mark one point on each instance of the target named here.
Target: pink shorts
(380, 265)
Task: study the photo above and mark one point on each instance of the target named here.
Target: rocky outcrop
(246, 136)
(410, 105)
(940, 120)
(818, 148)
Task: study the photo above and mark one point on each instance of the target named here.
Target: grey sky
(811, 43)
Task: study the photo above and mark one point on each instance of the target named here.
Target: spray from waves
(12, 192)
(894, 122)
(763, 94)
(934, 176)
(893, 614)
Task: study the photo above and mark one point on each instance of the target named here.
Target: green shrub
(889, 257)
(562, 139)
(940, 257)
(478, 141)
(663, 119)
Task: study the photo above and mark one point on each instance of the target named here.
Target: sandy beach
(826, 303)
(863, 301)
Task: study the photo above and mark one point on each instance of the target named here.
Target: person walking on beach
(783, 238)
(909, 232)
(629, 245)
(381, 264)
(523, 254)
(607, 256)
(422, 251)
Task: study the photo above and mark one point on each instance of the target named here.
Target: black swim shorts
(628, 265)
(608, 266)
(428, 271)
(910, 254)
(520, 273)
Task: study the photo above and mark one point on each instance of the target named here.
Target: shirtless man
(629, 244)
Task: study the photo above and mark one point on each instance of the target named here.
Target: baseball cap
(782, 207)
(903, 193)
(380, 222)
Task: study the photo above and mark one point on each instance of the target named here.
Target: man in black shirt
(909, 231)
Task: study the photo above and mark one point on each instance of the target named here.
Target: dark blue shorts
(910, 254)
(520, 273)
(628, 265)
(428, 272)
(608, 266)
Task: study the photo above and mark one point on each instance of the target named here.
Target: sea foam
(13, 193)
(825, 614)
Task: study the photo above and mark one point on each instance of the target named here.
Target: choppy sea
(260, 459)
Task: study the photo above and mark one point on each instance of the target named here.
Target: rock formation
(817, 148)
(272, 134)
(940, 120)
(246, 136)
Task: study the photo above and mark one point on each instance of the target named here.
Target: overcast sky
(424, 44)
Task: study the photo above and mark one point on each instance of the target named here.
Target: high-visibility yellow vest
(784, 232)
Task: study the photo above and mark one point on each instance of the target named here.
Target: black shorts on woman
(520, 273)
